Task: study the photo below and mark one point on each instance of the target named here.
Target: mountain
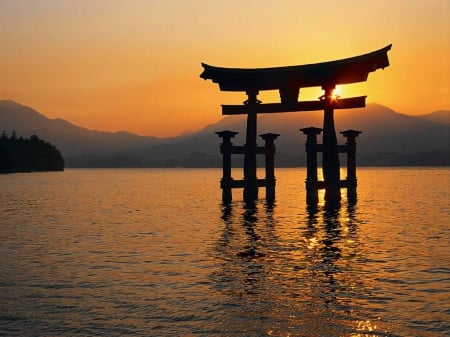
(441, 117)
(388, 138)
(78, 145)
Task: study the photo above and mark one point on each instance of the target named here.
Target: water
(154, 253)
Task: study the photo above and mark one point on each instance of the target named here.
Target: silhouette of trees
(18, 154)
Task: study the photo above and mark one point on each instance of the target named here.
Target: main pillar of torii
(288, 81)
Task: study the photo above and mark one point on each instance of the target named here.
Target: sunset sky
(134, 65)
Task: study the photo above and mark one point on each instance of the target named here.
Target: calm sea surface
(154, 253)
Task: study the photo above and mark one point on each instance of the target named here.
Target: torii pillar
(330, 158)
(312, 183)
(250, 178)
(226, 148)
(352, 181)
(269, 152)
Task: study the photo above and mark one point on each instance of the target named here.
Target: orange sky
(134, 64)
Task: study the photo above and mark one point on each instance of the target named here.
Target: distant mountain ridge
(388, 138)
(73, 141)
(441, 116)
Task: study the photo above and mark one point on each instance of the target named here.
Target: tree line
(18, 154)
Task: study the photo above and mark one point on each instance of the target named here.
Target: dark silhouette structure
(288, 81)
(19, 154)
(312, 182)
(227, 149)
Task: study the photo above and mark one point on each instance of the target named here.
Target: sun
(336, 93)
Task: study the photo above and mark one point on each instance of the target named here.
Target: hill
(77, 144)
(388, 138)
(18, 154)
(441, 117)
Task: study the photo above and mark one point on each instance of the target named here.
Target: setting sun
(336, 94)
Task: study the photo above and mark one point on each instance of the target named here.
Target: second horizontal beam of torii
(338, 103)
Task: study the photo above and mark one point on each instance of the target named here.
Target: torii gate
(288, 80)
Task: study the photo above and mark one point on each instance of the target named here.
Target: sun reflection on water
(307, 267)
(364, 328)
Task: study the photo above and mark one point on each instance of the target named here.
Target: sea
(154, 252)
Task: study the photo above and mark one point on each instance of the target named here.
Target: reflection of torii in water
(288, 81)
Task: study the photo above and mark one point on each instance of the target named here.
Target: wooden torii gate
(288, 81)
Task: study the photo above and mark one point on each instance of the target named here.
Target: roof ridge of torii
(290, 79)
(344, 71)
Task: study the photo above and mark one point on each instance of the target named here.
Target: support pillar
(269, 151)
(351, 163)
(226, 149)
(250, 179)
(330, 159)
(312, 196)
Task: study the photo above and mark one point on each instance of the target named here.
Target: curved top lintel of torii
(292, 78)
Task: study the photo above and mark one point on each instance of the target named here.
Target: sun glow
(92, 62)
(336, 93)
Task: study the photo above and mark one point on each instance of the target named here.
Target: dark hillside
(28, 154)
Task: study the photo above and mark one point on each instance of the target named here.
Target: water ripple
(154, 253)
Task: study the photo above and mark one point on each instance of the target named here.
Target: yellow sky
(134, 64)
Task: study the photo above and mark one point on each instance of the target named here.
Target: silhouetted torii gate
(288, 80)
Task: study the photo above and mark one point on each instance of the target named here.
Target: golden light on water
(363, 328)
(312, 242)
(136, 254)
